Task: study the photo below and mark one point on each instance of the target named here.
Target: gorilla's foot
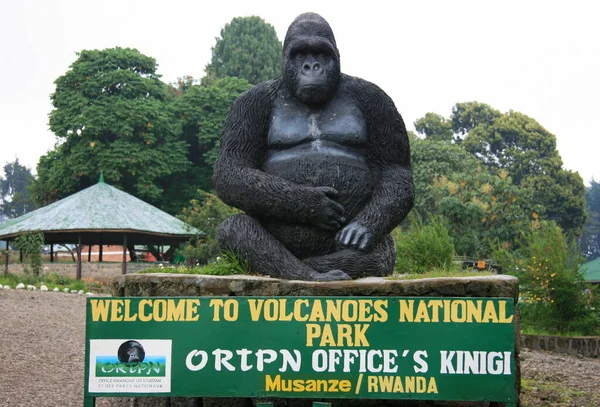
(332, 275)
(244, 235)
(356, 263)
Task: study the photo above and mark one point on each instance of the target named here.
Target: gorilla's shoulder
(353, 84)
(366, 93)
(264, 91)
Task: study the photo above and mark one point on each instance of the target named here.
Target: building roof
(591, 270)
(100, 213)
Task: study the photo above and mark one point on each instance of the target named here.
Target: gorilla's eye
(322, 55)
(300, 55)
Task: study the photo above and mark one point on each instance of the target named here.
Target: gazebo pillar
(79, 257)
(52, 253)
(124, 265)
(6, 259)
(100, 249)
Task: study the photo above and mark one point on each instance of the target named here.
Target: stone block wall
(587, 346)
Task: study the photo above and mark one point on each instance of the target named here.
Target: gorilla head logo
(131, 352)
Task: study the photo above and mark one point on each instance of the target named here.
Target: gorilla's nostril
(316, 67)
(306, 67)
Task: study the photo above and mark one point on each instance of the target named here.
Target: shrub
(555, 298)
(423, 246)
(30, 243)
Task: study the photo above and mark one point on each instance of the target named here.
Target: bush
(206, 215)
(30, 243)
(555, 298)
(423, 246)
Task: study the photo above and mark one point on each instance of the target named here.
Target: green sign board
(302, 347)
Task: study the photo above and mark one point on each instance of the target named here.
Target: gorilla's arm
(240, 182)
(389, 158)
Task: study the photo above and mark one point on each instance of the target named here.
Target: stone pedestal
(197, 285)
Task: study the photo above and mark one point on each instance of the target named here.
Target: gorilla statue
(319, 162)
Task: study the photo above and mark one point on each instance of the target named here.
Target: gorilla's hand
(324, 211)
(356, 236)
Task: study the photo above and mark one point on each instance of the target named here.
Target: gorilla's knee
(233, 228)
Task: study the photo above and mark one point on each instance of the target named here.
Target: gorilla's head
(311, 60)
(131, 352)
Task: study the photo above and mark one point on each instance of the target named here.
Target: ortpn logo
(130, 365)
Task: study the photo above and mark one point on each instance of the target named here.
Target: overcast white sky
(541, 58)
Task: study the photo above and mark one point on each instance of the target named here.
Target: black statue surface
(319, 161)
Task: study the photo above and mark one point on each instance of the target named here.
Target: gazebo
(100, 215)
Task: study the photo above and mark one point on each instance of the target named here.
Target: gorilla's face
(311, 65)
(131, 352)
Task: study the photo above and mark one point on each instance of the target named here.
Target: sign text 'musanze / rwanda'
(302, 347)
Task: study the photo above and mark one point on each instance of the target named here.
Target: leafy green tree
(520, 145)
(483, 210)
(433, 159)
(468, 115)
(590, 239)
(111, 113)
(15, 195)
(248, 48)
(435, 127)
(200, 112)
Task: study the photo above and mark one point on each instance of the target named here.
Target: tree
(111, 113)
(468, 115)
(248, 48)
(484, 210)
(433, 159)
(15, 195)
(590, 239)
(435, 127)
(200, 112)
(520, 145)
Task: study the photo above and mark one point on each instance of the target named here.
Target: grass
(439, 272)
(556, 392)
(228, 264)
(53, 281)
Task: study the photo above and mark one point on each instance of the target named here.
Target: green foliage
(15, 195)
(111, 113)
(590, 240)
(554, 296)
(520, 145)
(227, 265)
(482, 210)
(30, 243)
(248, 48)
(433, 159)
(468, 115)
(423, 246)
(205, 214)
(434, 127)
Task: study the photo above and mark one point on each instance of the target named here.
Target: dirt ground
(42, 358)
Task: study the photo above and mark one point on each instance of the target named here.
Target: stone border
(586, 346)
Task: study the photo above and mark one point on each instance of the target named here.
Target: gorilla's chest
(337, 128)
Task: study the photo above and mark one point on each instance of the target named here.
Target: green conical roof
(591, 270)
(99, 208)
